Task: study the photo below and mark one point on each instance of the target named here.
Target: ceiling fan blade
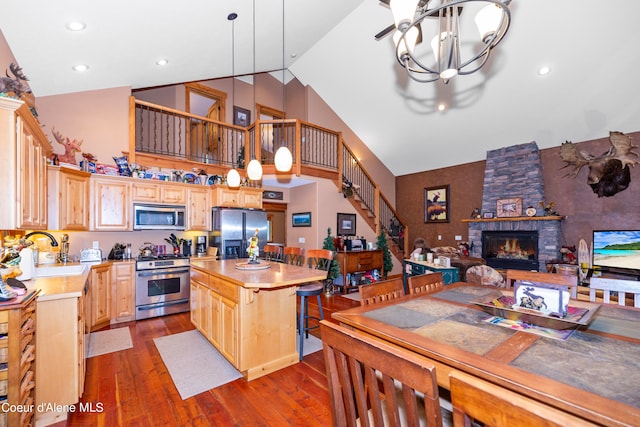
(382, 34)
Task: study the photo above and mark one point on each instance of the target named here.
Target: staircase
(168, 138)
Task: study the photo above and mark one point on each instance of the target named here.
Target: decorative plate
(212, 179)
(531, 211)
(190, 178)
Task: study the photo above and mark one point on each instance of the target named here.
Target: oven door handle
(158, 273)
(161, 304)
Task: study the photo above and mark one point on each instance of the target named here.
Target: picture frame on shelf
(488, 215)
(436, 204)
(509, 208)
(241, 116)
(301, 219)
(346, 224)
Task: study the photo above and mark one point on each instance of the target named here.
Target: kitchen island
(249, 313)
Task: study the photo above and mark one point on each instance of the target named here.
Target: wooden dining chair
(378, 292)
(425, 283)
(622, 287)
(272, 253)
(293, 255)
(372, 382)
(478, 401)
(534, 276)
(319, 259)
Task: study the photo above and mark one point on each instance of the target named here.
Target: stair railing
(168, 136)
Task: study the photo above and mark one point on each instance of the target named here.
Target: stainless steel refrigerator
(232, 228)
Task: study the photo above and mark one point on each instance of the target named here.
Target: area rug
(185, 367)
(103, 342)
(352, 296)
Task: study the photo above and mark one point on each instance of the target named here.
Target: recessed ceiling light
(76, 26)
(80, 67)
(544, 70)
(162, 62)
(442, 107)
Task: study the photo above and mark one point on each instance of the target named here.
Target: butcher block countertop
(277, 275)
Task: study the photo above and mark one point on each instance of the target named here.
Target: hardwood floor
(135, 389)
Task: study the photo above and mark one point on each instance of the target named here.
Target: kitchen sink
(59, 270)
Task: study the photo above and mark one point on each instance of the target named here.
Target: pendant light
(233, 177)
(254, 168)
(283, 158)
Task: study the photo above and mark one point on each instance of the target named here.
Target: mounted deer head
(608, 173)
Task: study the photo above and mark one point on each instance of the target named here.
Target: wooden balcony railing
(165, 137)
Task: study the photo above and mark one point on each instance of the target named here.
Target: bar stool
(319, 259)
(292, 255)
(272, 253)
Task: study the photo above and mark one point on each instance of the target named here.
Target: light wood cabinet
(123, 304)
(243, 197)
(251, 198)
(111, 198)
(158, 192)
(17, 356)
(61, 367)
(100, 296)
(24, 168)
(199, 209)
(215, 313)
(68, 193)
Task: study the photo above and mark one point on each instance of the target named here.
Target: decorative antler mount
(608, 173)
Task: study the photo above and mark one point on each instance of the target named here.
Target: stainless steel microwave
(158, 217)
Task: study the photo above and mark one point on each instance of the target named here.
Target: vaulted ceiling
(591, 48)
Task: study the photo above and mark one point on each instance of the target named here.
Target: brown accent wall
(573, 197)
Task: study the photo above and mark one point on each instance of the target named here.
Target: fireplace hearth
(511, 249)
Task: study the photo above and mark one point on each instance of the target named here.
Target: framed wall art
(301, 219)
(346, 224)
(507, 208)
(436, 204)
(241, 116)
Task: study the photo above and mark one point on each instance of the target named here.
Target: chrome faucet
(44, 233)
(64, 249)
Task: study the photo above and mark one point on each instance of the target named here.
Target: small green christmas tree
(381, 243)
(334, 270)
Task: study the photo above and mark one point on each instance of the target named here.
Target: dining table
(589, 370)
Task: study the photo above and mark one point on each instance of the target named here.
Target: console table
(415, 268)
(352, 262)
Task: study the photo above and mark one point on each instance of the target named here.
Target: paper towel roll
(26, 264)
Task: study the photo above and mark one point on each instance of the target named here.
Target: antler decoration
(608, 173)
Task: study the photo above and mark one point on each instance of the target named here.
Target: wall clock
(531, 211)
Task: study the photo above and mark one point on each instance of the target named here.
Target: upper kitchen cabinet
(68, 199)
(199, 209)
(158, 192)
(243, 197)
(24, 170)
(111, 197)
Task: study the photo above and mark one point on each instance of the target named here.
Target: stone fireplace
(511, 173)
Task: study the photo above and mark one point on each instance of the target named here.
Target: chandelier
(451, 51)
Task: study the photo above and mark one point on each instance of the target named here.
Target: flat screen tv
(616, 249)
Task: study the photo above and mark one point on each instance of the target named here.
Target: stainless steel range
(162, 286)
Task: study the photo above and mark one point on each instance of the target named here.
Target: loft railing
(181, 140)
